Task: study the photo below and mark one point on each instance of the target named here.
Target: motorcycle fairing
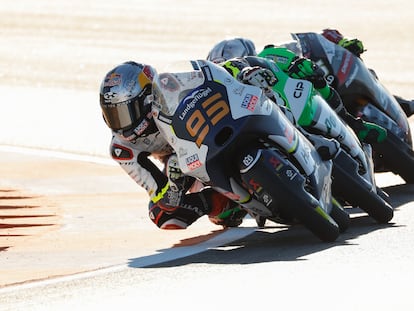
(217, 116)
(353, 80)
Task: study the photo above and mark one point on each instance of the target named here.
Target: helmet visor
(122, 115)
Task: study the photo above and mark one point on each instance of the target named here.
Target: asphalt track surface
(74, 229)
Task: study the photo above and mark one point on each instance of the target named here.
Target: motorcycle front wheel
(288, 194)
(351, 187)
(340, 215)
(396, 156)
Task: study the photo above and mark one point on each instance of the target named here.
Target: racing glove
(303, 68)
(354, 46)
(258, 76)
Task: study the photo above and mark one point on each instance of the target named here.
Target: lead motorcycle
(353, 170)
(232, 137)
(364, 96)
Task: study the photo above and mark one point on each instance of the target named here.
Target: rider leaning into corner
(139, 148)
(356, 47)
(239, 58)
(302, 68)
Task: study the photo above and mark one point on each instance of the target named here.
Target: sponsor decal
(173, 198)
(148, 72)
(193, 162)
(249, 102)
(266, 199)
(255, 185)
(291, 174)
(276, 163)
(168, 82)
(119, 152)
(141, 127)
(192, 100)
(112, 79)
(247, 160)
(297, 93)
(109, 95)
(345, 68)
(195, 209)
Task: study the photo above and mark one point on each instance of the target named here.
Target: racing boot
(225, 212)
(406, 105)
(367, 132)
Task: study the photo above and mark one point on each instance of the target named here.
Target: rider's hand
(354, 46)
(258, 76)
(303, 68)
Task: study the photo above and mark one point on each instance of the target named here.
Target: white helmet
(230, 48)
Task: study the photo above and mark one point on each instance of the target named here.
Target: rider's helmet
(230, 48)
(124, 99)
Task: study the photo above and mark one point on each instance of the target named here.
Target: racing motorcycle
(353, 172)
(364, 96)
(232, 137)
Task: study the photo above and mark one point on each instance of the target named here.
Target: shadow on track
(400, 194)
(283, 243)
(273, 243)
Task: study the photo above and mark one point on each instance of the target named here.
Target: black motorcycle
(232, 137)
(364, 96)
